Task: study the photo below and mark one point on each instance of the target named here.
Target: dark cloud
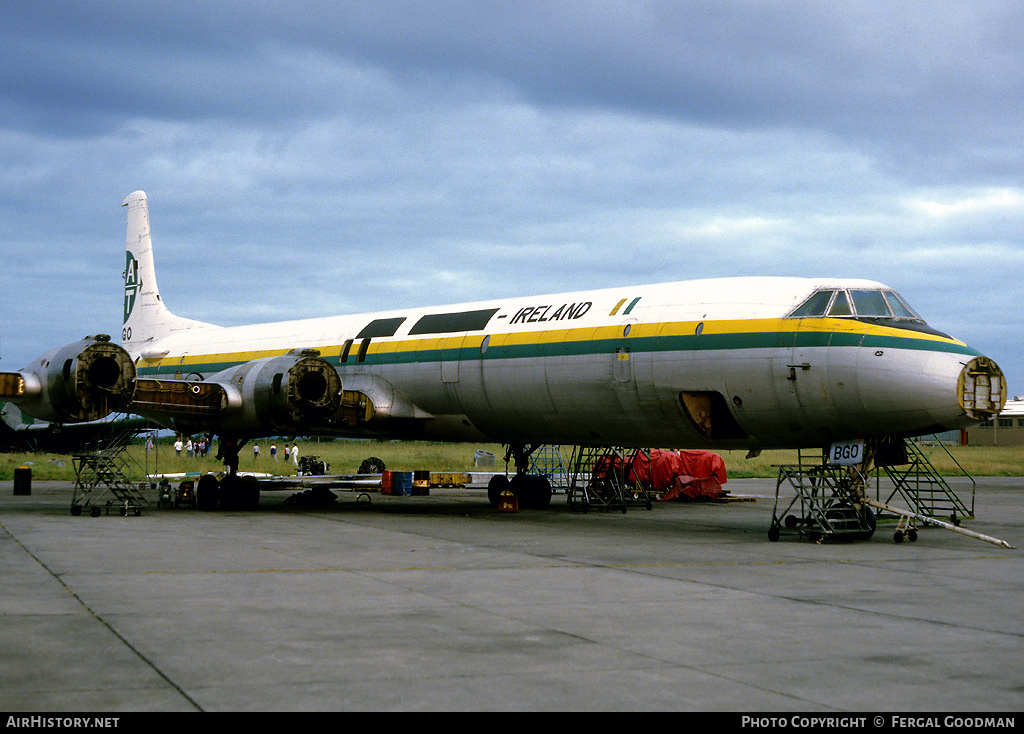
(471, 150)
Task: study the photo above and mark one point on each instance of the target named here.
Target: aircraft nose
(926, 390)
(981, 389)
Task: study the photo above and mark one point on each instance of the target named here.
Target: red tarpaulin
(684, 475)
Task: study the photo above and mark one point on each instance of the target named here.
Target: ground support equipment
(918, 483)
(547, 461)
(827, 503)
(102, 478)
(601, 478)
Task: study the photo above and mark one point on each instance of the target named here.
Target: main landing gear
(230, 492)
(532, 491)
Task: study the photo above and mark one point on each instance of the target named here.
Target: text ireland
(539, 314)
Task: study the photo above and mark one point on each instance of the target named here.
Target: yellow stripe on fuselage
(396, 347)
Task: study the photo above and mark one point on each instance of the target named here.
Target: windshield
(861, 303)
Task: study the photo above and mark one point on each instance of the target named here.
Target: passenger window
(870, 303)
(841, 306)
(813, 306)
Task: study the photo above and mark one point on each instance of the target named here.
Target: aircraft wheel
(498, 484)
(521, 487)
(206, 492)
(533, 491)
(230, 492)
(540, 488)
(248, 493)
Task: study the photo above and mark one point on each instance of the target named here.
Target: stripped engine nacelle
(83, 381)
(279, 394)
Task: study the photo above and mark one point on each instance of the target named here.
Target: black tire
(498, 484)
(540, 487)
(249, 494)
(206, 492)
(372, 465)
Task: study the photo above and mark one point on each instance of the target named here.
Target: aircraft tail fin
(146, 318)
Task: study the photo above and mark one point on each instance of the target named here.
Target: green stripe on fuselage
(580, 342)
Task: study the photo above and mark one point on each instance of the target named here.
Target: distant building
(1006, 429)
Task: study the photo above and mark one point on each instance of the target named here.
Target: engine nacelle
(78, 382)
(285, 394)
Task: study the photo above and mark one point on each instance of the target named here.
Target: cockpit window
(899, 307)
(870, 303)
(840, 305)
(813, 306)
(858, 302)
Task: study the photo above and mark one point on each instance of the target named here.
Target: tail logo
(132, 283)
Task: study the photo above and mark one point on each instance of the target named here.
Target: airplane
(730, 363)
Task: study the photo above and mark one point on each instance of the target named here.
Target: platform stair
(926, 492)
(600, 478)
(103, 476)
(825, 503)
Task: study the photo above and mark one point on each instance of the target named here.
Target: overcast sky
(315, 159)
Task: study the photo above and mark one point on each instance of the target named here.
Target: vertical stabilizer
(146, 318)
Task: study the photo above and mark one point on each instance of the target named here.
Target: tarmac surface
(441, 603)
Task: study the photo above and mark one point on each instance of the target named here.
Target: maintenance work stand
(831, 494)
(103, 477)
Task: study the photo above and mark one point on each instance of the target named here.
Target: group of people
(199, 447)
(292, 452)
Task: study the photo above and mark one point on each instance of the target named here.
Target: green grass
(345, 457)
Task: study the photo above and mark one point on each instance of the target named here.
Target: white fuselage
(710, 363)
